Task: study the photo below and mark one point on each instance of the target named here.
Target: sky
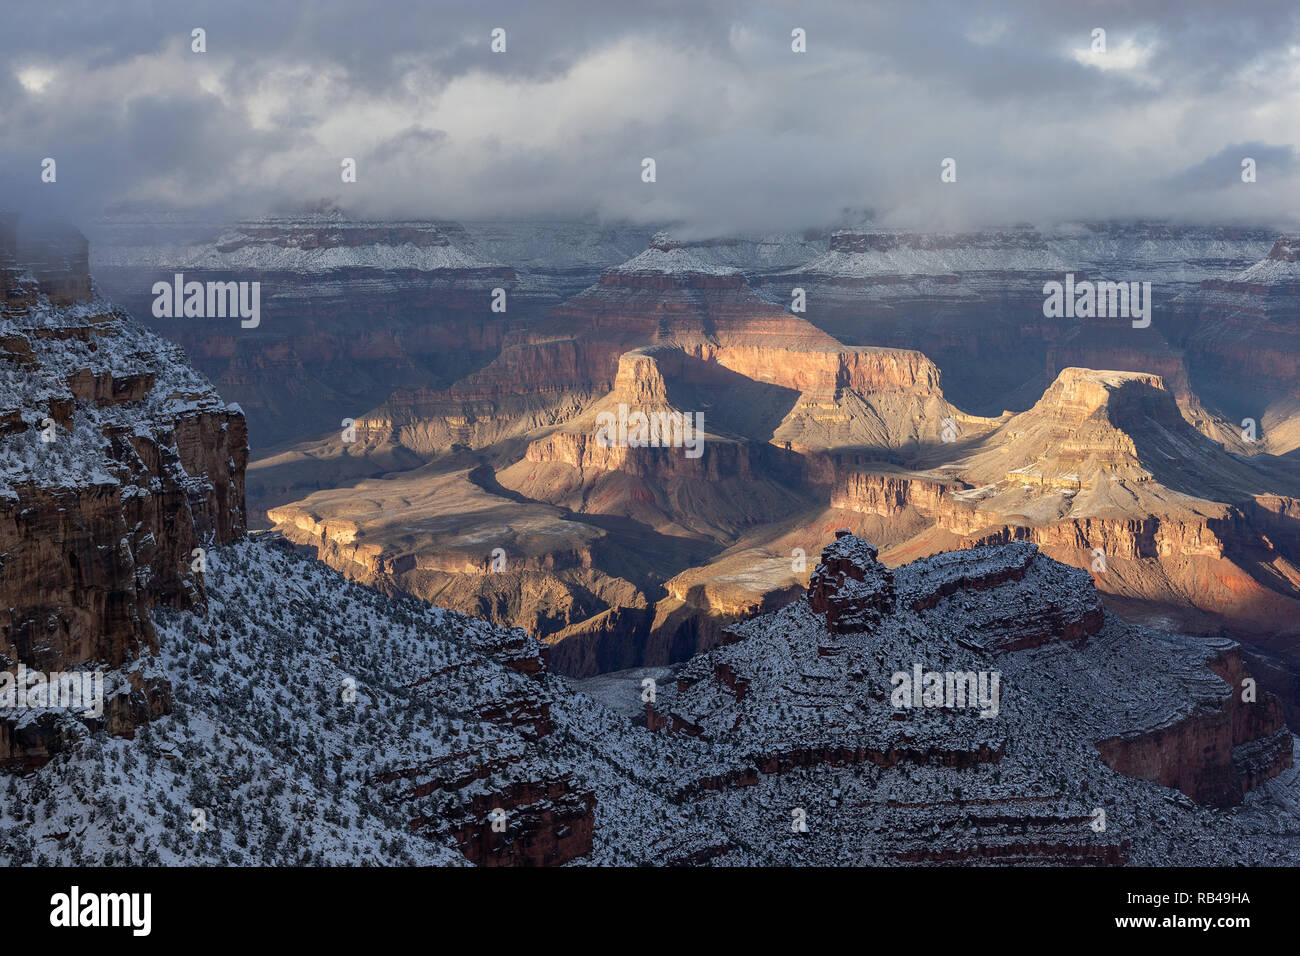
(746, 134)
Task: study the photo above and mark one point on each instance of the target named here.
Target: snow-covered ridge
(674, 261)
(729, 256)
(287, 769)
(309, 246)
(319, 244)
(529, 246)
(88, 337)
(1281, 265)
(1174, 255)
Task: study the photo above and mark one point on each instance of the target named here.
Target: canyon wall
(120, 462)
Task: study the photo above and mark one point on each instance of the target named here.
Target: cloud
(746, 133)
(1223, 169)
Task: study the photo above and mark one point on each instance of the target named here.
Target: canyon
(485, 490)
(316, 719)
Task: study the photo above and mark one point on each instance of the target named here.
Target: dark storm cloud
(369, 39)
(1223, 169)
(746, 134)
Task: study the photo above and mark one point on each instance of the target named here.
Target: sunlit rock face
(1121, 472)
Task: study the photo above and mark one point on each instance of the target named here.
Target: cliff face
(1214, 757)
(120, 461)
(1243, 345)
(973, 301)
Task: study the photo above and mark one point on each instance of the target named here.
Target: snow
(1120, 253)
(287, 772)
(307, 245)
(675, 261)
(103, 340)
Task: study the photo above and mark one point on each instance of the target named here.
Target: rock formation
(802, 435)
(822, 692)
(119, 463)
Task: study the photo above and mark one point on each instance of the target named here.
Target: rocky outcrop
(845, 693)
(536, 824)
(923, 584)
(1104, 472)
(1217, 753)
(121, 464)
(850, 587)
